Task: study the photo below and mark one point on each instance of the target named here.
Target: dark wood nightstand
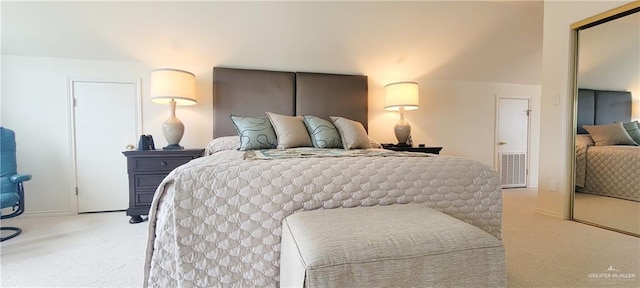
(432, 150)
(146, 170)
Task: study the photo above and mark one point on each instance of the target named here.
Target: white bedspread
(216, 221)
(583, 142)
(612, 171)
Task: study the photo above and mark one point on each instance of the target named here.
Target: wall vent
(513, 170)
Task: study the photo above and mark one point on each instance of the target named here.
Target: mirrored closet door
(607, 108)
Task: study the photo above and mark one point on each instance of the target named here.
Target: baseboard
(47, 213)
(547, 213)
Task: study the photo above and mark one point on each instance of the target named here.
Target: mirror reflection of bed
(607, 166)
(607, 171)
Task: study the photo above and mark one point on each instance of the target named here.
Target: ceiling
(494, 41)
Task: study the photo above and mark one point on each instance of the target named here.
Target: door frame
(497, 132)
(136, 82)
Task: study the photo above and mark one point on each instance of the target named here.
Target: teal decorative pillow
(323, 133)
(633, 129)
(255, 133)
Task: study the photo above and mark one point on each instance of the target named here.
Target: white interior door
(105, 122)
(513, 141)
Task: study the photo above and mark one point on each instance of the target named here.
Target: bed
(216, 221)
(607, 156)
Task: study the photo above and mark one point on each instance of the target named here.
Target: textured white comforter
(612, 171)
(216, 221)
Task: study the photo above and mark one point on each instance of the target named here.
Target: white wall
(555, 138)
(488, 41)
(386, 41)
(457, 115)
(35, 104)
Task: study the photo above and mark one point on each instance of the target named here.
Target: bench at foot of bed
(387, 246)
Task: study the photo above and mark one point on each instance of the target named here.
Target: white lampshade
(173, 84)
(173, 87)
(401, 94)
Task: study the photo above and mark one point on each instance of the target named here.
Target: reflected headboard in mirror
(599, 107)
(252, 93)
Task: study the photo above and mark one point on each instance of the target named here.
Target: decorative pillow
(352, 133)
(610, 134)
(255, 133)
(290, 131)
(633, 129)
(323, 133)
(223, 144)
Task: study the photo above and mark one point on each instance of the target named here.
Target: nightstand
(432, 150)
(146, 169)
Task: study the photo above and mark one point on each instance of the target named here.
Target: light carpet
(87, 250)
(104, 250)
(543, 251)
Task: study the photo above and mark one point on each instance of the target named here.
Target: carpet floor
(104, 250)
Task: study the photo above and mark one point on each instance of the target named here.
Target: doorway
(512, 140)
(105, 119)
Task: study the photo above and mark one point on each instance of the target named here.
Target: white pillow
(222, 144)
(290, 131)
(352, 133)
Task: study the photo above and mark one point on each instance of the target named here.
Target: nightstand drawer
(148, 181)
(144, 198)
(159, 164)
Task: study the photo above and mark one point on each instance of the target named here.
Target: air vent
(513, 169)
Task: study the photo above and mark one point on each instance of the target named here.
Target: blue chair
(11, 188)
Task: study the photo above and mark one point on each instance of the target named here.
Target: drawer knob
(163, 163)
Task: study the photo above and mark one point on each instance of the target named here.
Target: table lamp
(401, 96)
(173, 87)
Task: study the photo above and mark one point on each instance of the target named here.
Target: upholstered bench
(387, 246)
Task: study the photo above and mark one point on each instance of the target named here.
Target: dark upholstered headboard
(325, 95)
(251, 93)
(599, 107)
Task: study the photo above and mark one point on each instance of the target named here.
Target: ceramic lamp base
(402, 131)
(173, 147)
(173, 129)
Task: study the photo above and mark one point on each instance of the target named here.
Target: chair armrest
(20, 178)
